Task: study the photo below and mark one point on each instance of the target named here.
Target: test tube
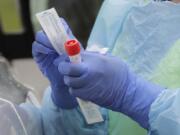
(89, 110)
(73, 49)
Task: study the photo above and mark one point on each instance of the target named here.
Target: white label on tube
(75, 59)
(90, 111)
(53, 28)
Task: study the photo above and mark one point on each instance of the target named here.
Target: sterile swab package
(57, 35)
(53, 28)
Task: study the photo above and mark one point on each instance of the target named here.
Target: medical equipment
(57, 35)
(54, 29)
(73, 49)
(91, 114)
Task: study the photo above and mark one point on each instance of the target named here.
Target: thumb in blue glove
(108, 82)
(47, 58)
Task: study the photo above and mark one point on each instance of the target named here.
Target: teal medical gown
(146, 34)
(50, 120)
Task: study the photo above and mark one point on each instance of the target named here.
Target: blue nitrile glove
(47, 58)
(108, 82)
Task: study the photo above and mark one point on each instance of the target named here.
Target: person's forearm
(138, 98)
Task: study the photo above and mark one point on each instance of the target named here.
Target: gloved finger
(82, 93)
(46, 62)
(40, 52)
(73, 70)
(42, 38)
(60, 59)
(38, 48)
(76, 82)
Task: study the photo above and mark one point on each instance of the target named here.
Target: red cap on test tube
(72, 47)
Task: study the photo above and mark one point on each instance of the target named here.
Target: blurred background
(17, 28)
(18, 23)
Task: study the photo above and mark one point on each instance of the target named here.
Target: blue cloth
(51, 120)
(109, 23)
(108, 82)
(165, 114)
(46, 58)
(142, 33)
(137, 31)
(31, 118)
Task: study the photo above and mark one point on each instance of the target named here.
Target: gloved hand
(46, 58)
(108, 82)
